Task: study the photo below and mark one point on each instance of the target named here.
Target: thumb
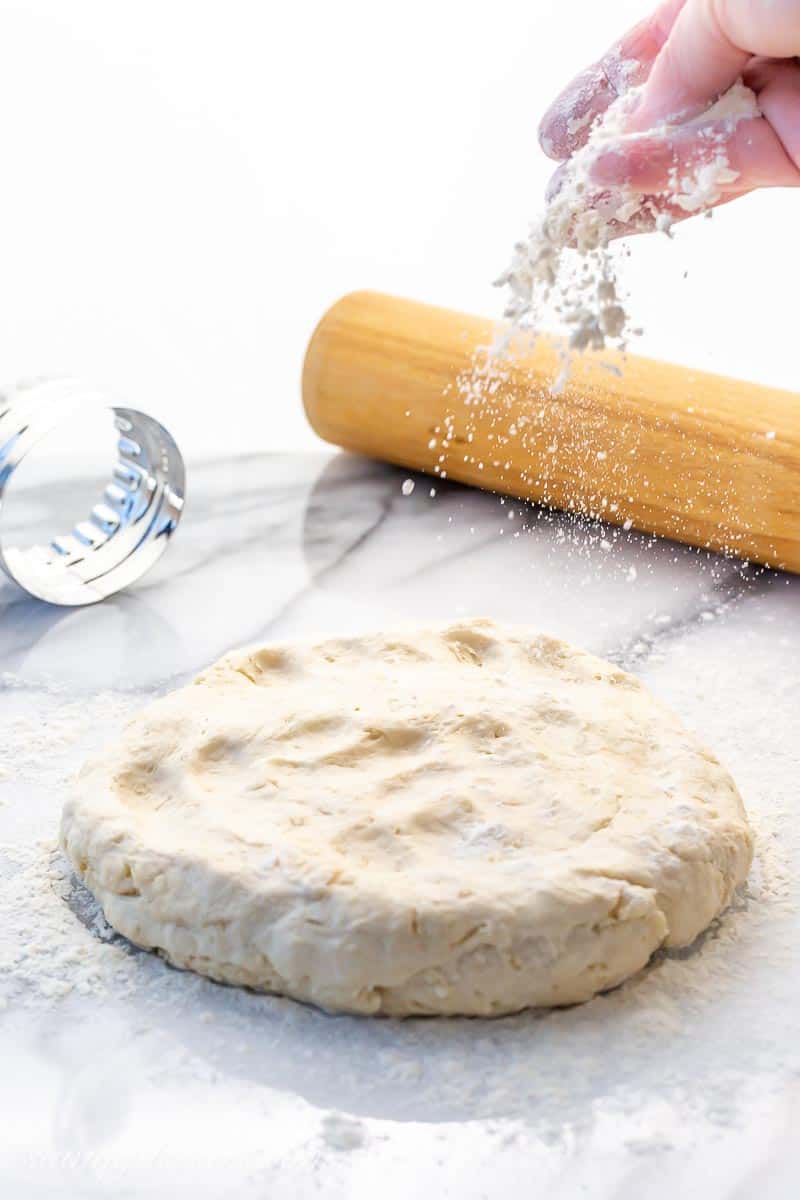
(710, 44)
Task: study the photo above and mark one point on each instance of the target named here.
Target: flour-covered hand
(682, 59)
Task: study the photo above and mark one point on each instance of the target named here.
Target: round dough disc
(452, 819)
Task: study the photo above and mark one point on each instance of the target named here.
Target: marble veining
(246, 1095)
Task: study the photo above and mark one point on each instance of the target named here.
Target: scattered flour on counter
(565, 270)
(48, 725)
(46, 953)
(55, 945)
(343, 1133)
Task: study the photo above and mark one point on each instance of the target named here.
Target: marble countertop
(684, 1081)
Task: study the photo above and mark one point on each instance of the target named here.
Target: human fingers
(660, 212)
(566, 124)
(653, 211)
(699, 164)
(777, 85)
(709, 45)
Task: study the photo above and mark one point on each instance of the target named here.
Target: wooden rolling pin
(709, 461)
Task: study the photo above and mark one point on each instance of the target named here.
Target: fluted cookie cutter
(127, 531)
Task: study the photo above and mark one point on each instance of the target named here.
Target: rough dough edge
(413, 996)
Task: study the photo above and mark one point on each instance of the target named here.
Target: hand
(686, 54)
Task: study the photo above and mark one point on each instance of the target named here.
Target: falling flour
(565, 277)
(565, 271)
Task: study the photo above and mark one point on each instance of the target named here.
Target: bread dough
(451, 819)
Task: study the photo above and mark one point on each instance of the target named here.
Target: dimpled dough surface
(451, 819)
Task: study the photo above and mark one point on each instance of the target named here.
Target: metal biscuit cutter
(127, 531)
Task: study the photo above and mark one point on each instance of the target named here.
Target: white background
(185, 186)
